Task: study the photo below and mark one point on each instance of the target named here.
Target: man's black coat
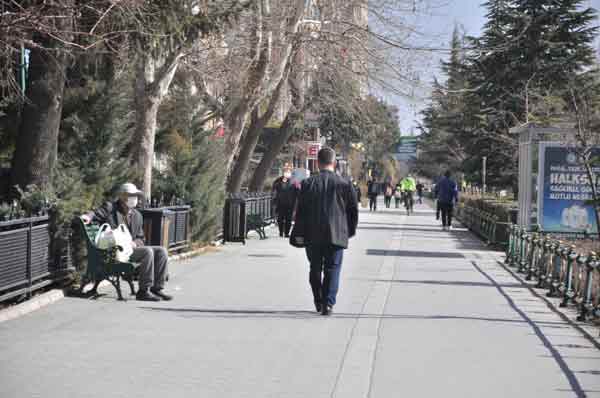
(327, 210)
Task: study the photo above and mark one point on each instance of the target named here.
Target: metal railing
(484, 224)
(238, 208)
(24, 256)
(558, 267)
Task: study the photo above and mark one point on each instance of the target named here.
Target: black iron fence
(484, 224)
(24, 256)
(557, 267)
(237, 210)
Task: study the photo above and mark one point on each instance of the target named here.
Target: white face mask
(132, 202)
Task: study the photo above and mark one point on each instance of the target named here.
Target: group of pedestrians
(402, 192)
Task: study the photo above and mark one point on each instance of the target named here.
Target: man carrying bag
(153, 259)
(326, 217)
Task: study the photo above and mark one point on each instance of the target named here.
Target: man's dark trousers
(373, 202)
(325, 266)
(284, 219)
(447, 210)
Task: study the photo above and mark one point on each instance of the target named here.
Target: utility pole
(483, 188)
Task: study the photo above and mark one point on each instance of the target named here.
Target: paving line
(355, 375)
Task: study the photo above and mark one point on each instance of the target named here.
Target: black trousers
(447, 210)
(388, 201)
(284, 219)
(372, 202)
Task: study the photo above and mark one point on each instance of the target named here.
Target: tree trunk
(260, 174)
(37, 142)
(252, 136)
(151, 87)
(263, 77)
(145, 131)
(297, 89)
(247, 149)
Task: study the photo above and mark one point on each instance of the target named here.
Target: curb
(33, 304)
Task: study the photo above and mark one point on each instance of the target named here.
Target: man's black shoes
(144, 295)
(161, 294)
(318, 306)
(327, 310)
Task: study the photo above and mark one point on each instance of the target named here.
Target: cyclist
(409, 186)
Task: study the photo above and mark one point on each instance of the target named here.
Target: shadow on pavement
(413, 253)
(449, 283)
(235, 313)
(535, 326)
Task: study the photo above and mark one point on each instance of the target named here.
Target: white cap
(129, 189)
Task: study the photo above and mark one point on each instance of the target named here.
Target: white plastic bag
(125, 241)
(105, 237)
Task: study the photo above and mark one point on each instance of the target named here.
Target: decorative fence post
(568, 292)
(586, 308)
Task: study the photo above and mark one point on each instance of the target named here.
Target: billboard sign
(406, 148)
(563, 189)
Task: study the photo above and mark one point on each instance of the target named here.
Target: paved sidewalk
(421, 313)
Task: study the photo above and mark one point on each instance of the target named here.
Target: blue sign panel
(565, 187)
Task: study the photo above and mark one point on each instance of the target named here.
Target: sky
(435, 26)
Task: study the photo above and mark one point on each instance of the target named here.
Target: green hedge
(504, 209)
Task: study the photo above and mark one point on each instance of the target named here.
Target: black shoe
(144, 295)
(327, 310)
(159, 293)
(318, 306)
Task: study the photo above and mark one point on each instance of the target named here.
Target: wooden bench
(103, 265)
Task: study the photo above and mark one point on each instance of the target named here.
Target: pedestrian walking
(420, 187)
(388, 192)
(284, 193)
(447, 195)
(398, 195)
(358, 192)
(372, 193)
(327, 215)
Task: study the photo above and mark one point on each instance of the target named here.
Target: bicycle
(408, 202)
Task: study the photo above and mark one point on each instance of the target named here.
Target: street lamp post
(483, 188)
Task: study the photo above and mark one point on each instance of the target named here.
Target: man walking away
(420, 192)
(285, 199)
(387, 194)
(372, 193)
(328, 213)
(447, 194)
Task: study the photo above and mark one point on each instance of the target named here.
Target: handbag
(105, 238)
(124, 243)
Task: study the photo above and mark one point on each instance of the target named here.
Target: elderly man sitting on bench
(153, 259)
